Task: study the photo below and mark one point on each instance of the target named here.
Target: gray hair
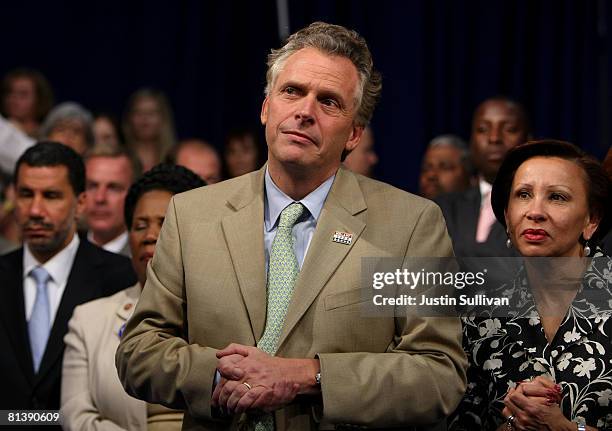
(454, 141)
(333, 40)
(69, 111)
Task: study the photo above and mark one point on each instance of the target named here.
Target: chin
(530, 250)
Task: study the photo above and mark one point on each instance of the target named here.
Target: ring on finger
(510, 422)
(249, 387)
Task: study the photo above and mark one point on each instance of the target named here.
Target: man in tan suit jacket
(206, 305)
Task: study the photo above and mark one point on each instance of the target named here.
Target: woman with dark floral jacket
(545, 362)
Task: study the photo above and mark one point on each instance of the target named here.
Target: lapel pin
(343, 237)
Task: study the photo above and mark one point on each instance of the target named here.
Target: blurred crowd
(130, 169)
(117, 152)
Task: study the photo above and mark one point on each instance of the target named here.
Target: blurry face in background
(547, 208)
(204, 161)
(363, 158)
(71, 133)
(497, 127)
(107, 182)
(146, 119)
(241, 156)
(442, 172)
(20, 103)
(46, 209)
(105, 133)
(148, 218)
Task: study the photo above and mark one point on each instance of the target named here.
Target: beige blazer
(206, 288)
(92, 397)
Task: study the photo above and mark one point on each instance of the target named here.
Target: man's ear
(263, 116)
(80, 205)
(354, 138)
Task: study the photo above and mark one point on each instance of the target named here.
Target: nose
(37, 207)
(535, 210)
(305, 110)
(151, 234)
(494, 135)
(431, 174)
(100, 194)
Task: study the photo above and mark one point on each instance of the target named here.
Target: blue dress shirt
(276, 200)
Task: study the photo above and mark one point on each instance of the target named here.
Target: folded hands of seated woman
(535, 406)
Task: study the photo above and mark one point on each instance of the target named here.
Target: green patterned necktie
(283, 270)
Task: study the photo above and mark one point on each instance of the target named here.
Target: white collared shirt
(114, 245)
(58, 267)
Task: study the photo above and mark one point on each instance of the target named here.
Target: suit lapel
(243, 232)
(345, 200)
(79, 289)
(13, 312)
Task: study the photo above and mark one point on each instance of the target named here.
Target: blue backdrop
(438, 59)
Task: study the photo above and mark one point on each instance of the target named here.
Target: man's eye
(290, 90)
(140, 226)
(330, 102)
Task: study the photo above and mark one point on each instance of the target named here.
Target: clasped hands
(252, 380)
(534, 405)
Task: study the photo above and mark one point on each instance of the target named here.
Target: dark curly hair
(171, 178)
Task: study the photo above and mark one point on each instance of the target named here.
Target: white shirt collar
(114, 245)
(58, 266)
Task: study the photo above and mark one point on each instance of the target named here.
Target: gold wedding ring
(247, 385)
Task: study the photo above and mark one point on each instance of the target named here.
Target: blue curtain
(439, 59)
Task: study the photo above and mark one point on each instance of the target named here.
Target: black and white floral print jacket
(505, 350)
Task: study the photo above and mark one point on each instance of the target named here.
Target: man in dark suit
(43, 281)
(498, 125)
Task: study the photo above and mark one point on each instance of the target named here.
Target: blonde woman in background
(148, 126)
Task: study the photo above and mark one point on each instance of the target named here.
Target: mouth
(99, 214)
(146, 257)
(535, 235)
(299, 137)
(495, 156)
(36, 229)
(431, 186)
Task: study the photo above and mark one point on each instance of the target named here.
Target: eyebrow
(323, 92)
(550, 186)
